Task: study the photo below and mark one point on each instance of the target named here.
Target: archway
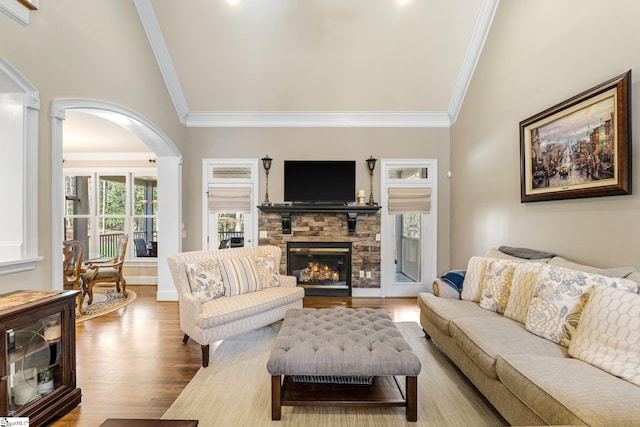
(169, 164)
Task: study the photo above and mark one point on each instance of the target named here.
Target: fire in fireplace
(322, 268)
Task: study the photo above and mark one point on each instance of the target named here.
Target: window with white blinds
(229, 199)
(409, 200)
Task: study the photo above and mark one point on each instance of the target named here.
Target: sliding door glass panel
(112, 195)
(408, 243)
(77, 214)
(144, 220)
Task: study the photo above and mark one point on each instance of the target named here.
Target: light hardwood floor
(132, 364)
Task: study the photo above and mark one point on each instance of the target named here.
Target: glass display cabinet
(39, 356)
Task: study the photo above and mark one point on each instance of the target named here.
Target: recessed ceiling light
(403, 2)
(233, 2)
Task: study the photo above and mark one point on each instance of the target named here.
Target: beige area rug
(235, 390)
(105, 300)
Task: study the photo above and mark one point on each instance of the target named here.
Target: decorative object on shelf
(266, 163)
(45, 382)
(371, 164)
(25, 387)
(52, 329)
(361, 198)
(580, 147)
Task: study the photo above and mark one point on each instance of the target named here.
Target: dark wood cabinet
(38, 366)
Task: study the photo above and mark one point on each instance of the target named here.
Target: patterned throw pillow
(497, 284)
(524, 282)
(473, 279)
(240, 275)
(268, 271)
(559, 299)
(607, 336)
(205, 280)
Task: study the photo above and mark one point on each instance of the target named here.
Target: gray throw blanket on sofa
(525, 253)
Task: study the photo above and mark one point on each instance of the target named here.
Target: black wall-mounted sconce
(371, 164)
(266, 163)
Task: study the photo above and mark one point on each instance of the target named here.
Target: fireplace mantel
(285, 211)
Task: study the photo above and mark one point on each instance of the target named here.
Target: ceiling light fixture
(233, 2)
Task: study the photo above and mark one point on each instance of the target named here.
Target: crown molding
(161, 52)
(318, 119)
(478, 37)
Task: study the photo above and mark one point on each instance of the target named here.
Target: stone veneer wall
(329, 227)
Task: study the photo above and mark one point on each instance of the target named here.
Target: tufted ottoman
(345, 357)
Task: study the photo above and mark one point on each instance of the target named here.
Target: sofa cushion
(559, 298)
(497, 284)
(268, 270)
(441, 311)
(225, 310)
(608, 335)
(240, 275)
(486, 340)
(609, 272)
(569, 391)
(523, 284)
(205, 280)
(473, 279)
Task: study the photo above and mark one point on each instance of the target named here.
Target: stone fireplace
(329, 227)
(322, 268)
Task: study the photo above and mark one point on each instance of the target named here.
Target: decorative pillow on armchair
(607, 335)
(205, 280)
(559, 299)
(240, 275)
(497, 284)
(268, 271)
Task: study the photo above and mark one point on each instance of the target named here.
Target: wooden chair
(107, 271)
(72, 269)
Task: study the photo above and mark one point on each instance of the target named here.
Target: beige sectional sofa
(226, 292)
(560, 347)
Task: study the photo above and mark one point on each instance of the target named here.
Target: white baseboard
(171, 295)
(142, 280)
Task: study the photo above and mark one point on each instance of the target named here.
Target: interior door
(409, 226)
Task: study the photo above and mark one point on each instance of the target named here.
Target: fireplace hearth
(322, 268)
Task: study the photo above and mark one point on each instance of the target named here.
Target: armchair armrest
(100, 262)
(443, 290)
(189, 304)
(288, 281)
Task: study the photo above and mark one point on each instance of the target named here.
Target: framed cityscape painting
(580, 147)
(29, 4)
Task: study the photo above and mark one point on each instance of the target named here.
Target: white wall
(86, 49)
(540, 53)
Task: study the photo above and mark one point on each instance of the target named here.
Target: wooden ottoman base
(384, 391)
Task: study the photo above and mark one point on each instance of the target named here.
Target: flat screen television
(319, 181)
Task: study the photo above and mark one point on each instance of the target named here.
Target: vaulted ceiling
(286, 62)
(316, 62)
